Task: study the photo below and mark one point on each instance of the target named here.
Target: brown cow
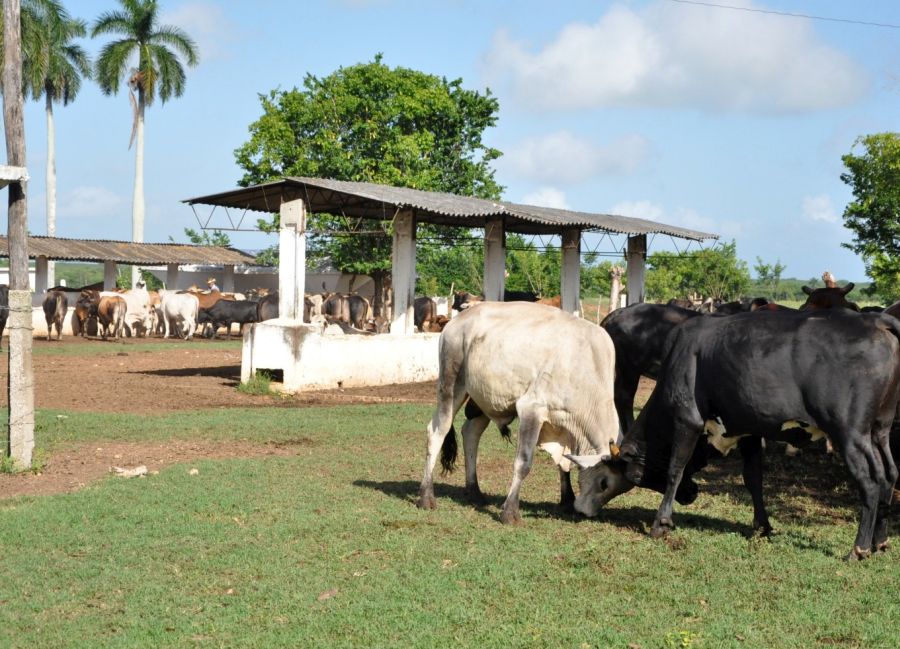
(56, 304)
(111, 313)
(552, 301)
(830, 297)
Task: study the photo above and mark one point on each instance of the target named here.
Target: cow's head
(601, 478)
(828, 298)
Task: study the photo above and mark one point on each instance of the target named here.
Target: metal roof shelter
(294, 197)
(127, 252)
(111, 253)
(373, 201)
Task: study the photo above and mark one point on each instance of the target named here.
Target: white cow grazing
(550, 369)
(179, 312)
(138, 317)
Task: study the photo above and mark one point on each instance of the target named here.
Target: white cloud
(88, 202)
(679, 55)
(547, 197)
(207, 25)
(819, 208)
(562, 157)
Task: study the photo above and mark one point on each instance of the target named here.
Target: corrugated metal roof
(127, 252)
(370, 200)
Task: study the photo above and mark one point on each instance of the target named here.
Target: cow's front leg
(751, 451)
(566, 493)
(685, 439)
(471, 434)
(529, 431)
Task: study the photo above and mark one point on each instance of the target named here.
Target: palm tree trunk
(137, 205)
(51, 185)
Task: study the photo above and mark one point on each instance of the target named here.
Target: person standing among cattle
(211, 283)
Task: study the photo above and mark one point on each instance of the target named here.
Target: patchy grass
(259, 384)
(326, 548)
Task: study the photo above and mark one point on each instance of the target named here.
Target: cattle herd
(729, 375)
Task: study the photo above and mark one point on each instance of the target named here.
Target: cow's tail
(449, 451)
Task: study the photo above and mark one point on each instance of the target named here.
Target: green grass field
(327, 549)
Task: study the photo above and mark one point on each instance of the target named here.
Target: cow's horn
(848, 288)
(806, 290)
(587, 461)
(614, 450)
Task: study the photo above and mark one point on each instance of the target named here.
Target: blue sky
(726, 121)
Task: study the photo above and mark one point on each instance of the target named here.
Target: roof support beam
(570, 277)
(228, 278)
(494, 259)
(41, 275)
(172, 277)
(636, 254)
(404, 272)
(292, 256)
(110, 271)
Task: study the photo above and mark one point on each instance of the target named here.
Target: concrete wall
(333, 282)
(309, 360)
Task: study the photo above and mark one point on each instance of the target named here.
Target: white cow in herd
(139, 317)
(550, 369)
(179, 313)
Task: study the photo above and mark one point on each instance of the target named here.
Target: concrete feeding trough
(305, 359)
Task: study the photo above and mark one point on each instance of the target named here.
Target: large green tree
(372, 123)
(53, 69)
(873, 174)
(714, 272)
(147, 56)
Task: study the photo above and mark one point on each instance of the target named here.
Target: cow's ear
(806, 290)
(614, 450)
(587, 461)
(848, 288)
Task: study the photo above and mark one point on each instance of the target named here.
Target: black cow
(4, 309)
(788, 376)
(832, 297)
(639, 335)
(463, 300)
(56, 304)
(225, 312)
(742, 306)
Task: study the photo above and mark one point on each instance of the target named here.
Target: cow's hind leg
(530, 422)
(450, 399)
(751, 451)
(471, 434)
(882, 440)
(864, 464)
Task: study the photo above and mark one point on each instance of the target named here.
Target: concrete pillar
(292, 260)
(110, 270)
(570, 273)
(636, 255)
(228, 278)
(41, 275)
(404, 272)
(21, 379)
(494, 259)
(51, 273)
(172, 277)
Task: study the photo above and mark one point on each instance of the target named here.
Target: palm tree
(145, 59)
(52, 68)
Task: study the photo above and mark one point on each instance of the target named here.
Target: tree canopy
(873, 174)
(714, 272)
(372, 123)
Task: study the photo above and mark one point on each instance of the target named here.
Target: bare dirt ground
(119, 377)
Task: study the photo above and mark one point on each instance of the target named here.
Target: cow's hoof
(426, 501)
(763, 530)
(661, 528)
(474, 496)
(858, 554)
(508, 517)
(882, 546)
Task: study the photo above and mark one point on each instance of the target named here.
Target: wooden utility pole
(21, 374)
